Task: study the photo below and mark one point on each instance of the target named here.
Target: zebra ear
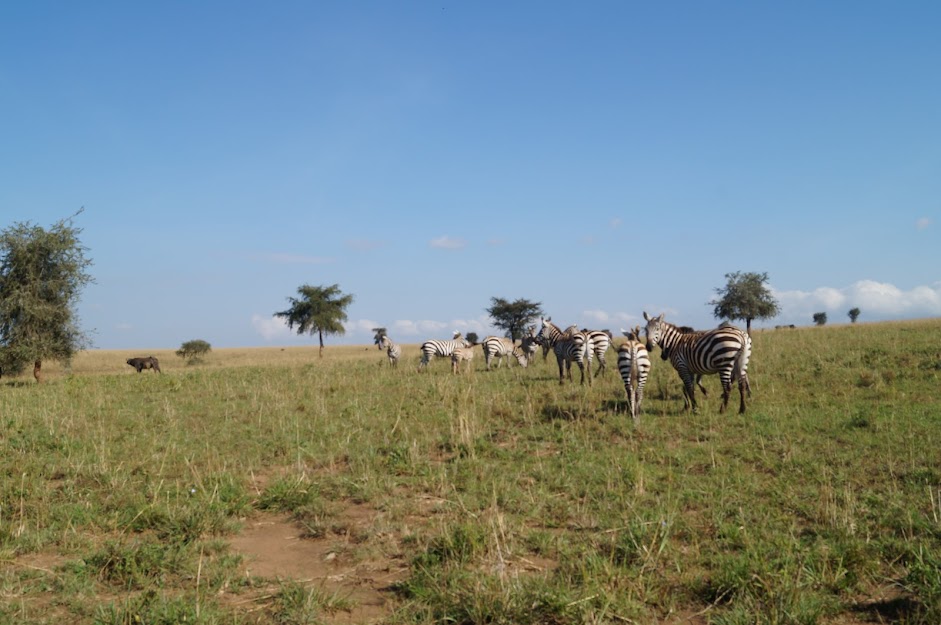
(646, 318)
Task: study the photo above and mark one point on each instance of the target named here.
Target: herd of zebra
(724, 350)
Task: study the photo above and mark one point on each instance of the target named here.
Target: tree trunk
(321, 343)
(748, 326)
(37, 371)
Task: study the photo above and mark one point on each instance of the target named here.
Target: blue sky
(601, 158)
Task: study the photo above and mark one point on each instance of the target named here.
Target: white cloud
(271, 328)
(448, 243)
(923, 223)
(876, 300)
(428, 329)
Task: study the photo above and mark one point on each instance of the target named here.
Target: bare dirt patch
(275, 548)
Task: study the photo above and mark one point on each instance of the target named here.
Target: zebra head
(540, 336)
(654, 330)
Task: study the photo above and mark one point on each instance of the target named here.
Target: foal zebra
(529, 344)
(432, 348)
(634, 366)
(501, 349)
(725, 351)
(461, 354)
(393, 351)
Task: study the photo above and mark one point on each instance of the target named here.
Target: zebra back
(634, 367)
(724, 350)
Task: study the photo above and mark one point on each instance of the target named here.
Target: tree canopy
(820, 318)
(744, 297)
(318, 309)
(377, 337)
(513, 317)
(42, 273)
(853, 314)
(193, 351)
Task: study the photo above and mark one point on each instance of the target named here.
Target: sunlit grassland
(507, 497)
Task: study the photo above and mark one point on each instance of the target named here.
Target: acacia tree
(820, 318)
(377, 338)
(744, 297)
(42, 273)
(319, 309)
(853, 314)
(513, 317)
(193, 351)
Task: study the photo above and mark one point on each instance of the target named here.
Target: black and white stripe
(393, 351)
(529, 344)
(573, 347)
(500, 348)
(634, 366)
(725, 351)
(432, 348)
(600, 342)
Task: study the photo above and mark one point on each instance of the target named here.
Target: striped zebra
(462, 354)
(529, 344)
(724, 350)
(634, 366)
(549, 334)
(573, 347)
(600, 341)
(393, 351)
(500, 348)
(432, 348)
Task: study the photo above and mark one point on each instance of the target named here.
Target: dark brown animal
(145, 363)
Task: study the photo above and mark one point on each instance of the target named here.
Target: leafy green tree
(513, 317)
(744, 297)
(377, 338)
(42, 274)
(319, 309)
(853, 314)
(472, 338)
(193, 351)
(820, 318)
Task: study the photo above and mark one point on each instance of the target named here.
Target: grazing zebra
(725, 351)
(501, 349)
(600, 341)
(574, 346)
(460, 354)
(432, 348)
(634, 366)
(393, 351)
(530, 345)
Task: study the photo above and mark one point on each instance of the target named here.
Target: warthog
(145, 363)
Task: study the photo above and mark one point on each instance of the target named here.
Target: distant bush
(853, 314)
(193, 351)
(820, 318)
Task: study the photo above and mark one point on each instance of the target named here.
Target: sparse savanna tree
(513, 317)
(193, 351)
(318, 309)
(377, 337)
(42, 273)
(853, 314)
(820, 318)
(472, 338)
(744, 297)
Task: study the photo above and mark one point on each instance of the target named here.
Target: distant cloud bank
(448, 243)
(875, 300)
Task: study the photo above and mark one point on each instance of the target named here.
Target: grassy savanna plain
(485, 497)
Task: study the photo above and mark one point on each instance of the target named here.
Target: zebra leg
(742, 386)
(726, 392)
(689, 391)
(701, 387)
